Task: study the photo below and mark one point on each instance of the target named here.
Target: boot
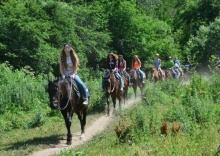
(85, 101)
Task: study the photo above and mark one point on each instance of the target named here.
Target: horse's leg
(82, 118)
(108, 106)
(135, 90)
(68, 122)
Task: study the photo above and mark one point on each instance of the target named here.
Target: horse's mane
(65, 86)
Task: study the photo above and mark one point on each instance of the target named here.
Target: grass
(201, 142)
(194, 139)
(24, 141)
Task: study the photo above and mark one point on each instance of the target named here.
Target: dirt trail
(95, 128)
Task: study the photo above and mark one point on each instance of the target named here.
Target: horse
(136, 81)
(170, 75)
(112, 88)
(64, 95)
(156, 76)
(126, 85)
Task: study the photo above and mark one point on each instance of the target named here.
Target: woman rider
(136, 64)
(112, 64)
(69, 64)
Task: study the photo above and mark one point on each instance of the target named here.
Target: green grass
(24, 141)
(196, 137)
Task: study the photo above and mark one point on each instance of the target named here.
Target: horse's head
(133, 74)
(108, 79)
(53, 91)
(57, 90)
(153, 70)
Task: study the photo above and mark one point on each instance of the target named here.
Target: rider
(122, 67)
(136, 64)
(112, 64)
(170, 66)
(157, 63)
(69, 64)
(177, 65)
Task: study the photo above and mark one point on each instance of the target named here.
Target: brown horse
(136, 81)
(126, 85)
(169, 74)
(63, 94)
(156, 75)
(112, 88)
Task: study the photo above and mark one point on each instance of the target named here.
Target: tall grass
(193, 106)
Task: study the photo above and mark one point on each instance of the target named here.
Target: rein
(71, 81)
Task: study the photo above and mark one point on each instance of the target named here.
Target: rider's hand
(72, 76)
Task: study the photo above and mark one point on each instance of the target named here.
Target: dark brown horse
(156, 75)
(112, 88)
(136, 81)
(63, 94)
(126, 85)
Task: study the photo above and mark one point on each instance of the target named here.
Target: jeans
(82, 87)
(175, 74)
(127, 75)
(142, 74)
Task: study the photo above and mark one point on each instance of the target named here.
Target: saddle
(108, 73)
(76, 89)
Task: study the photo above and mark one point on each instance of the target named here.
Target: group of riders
(69, 65)
(171, 65)
(117, 64)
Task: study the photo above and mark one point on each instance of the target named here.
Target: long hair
(115, 57)
(74, 59)
(123, 60)
(135, 58)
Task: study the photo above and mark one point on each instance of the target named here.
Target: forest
(33, 33)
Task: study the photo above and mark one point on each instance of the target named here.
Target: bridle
(60, 94)
(108, 77)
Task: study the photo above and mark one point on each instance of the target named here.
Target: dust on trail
(96, 127)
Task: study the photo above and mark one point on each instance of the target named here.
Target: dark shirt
(112, 64)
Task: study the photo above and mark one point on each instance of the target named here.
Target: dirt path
(95, 128)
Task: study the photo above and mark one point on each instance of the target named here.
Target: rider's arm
(125, 65)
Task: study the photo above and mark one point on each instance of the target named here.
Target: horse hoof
(82, 137)
(69, 142)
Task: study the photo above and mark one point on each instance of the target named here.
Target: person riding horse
(170, 66)
(178, 66)
(112, 65)
(136, 64)
(122, 68)
(157, 64)
(68, 65)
